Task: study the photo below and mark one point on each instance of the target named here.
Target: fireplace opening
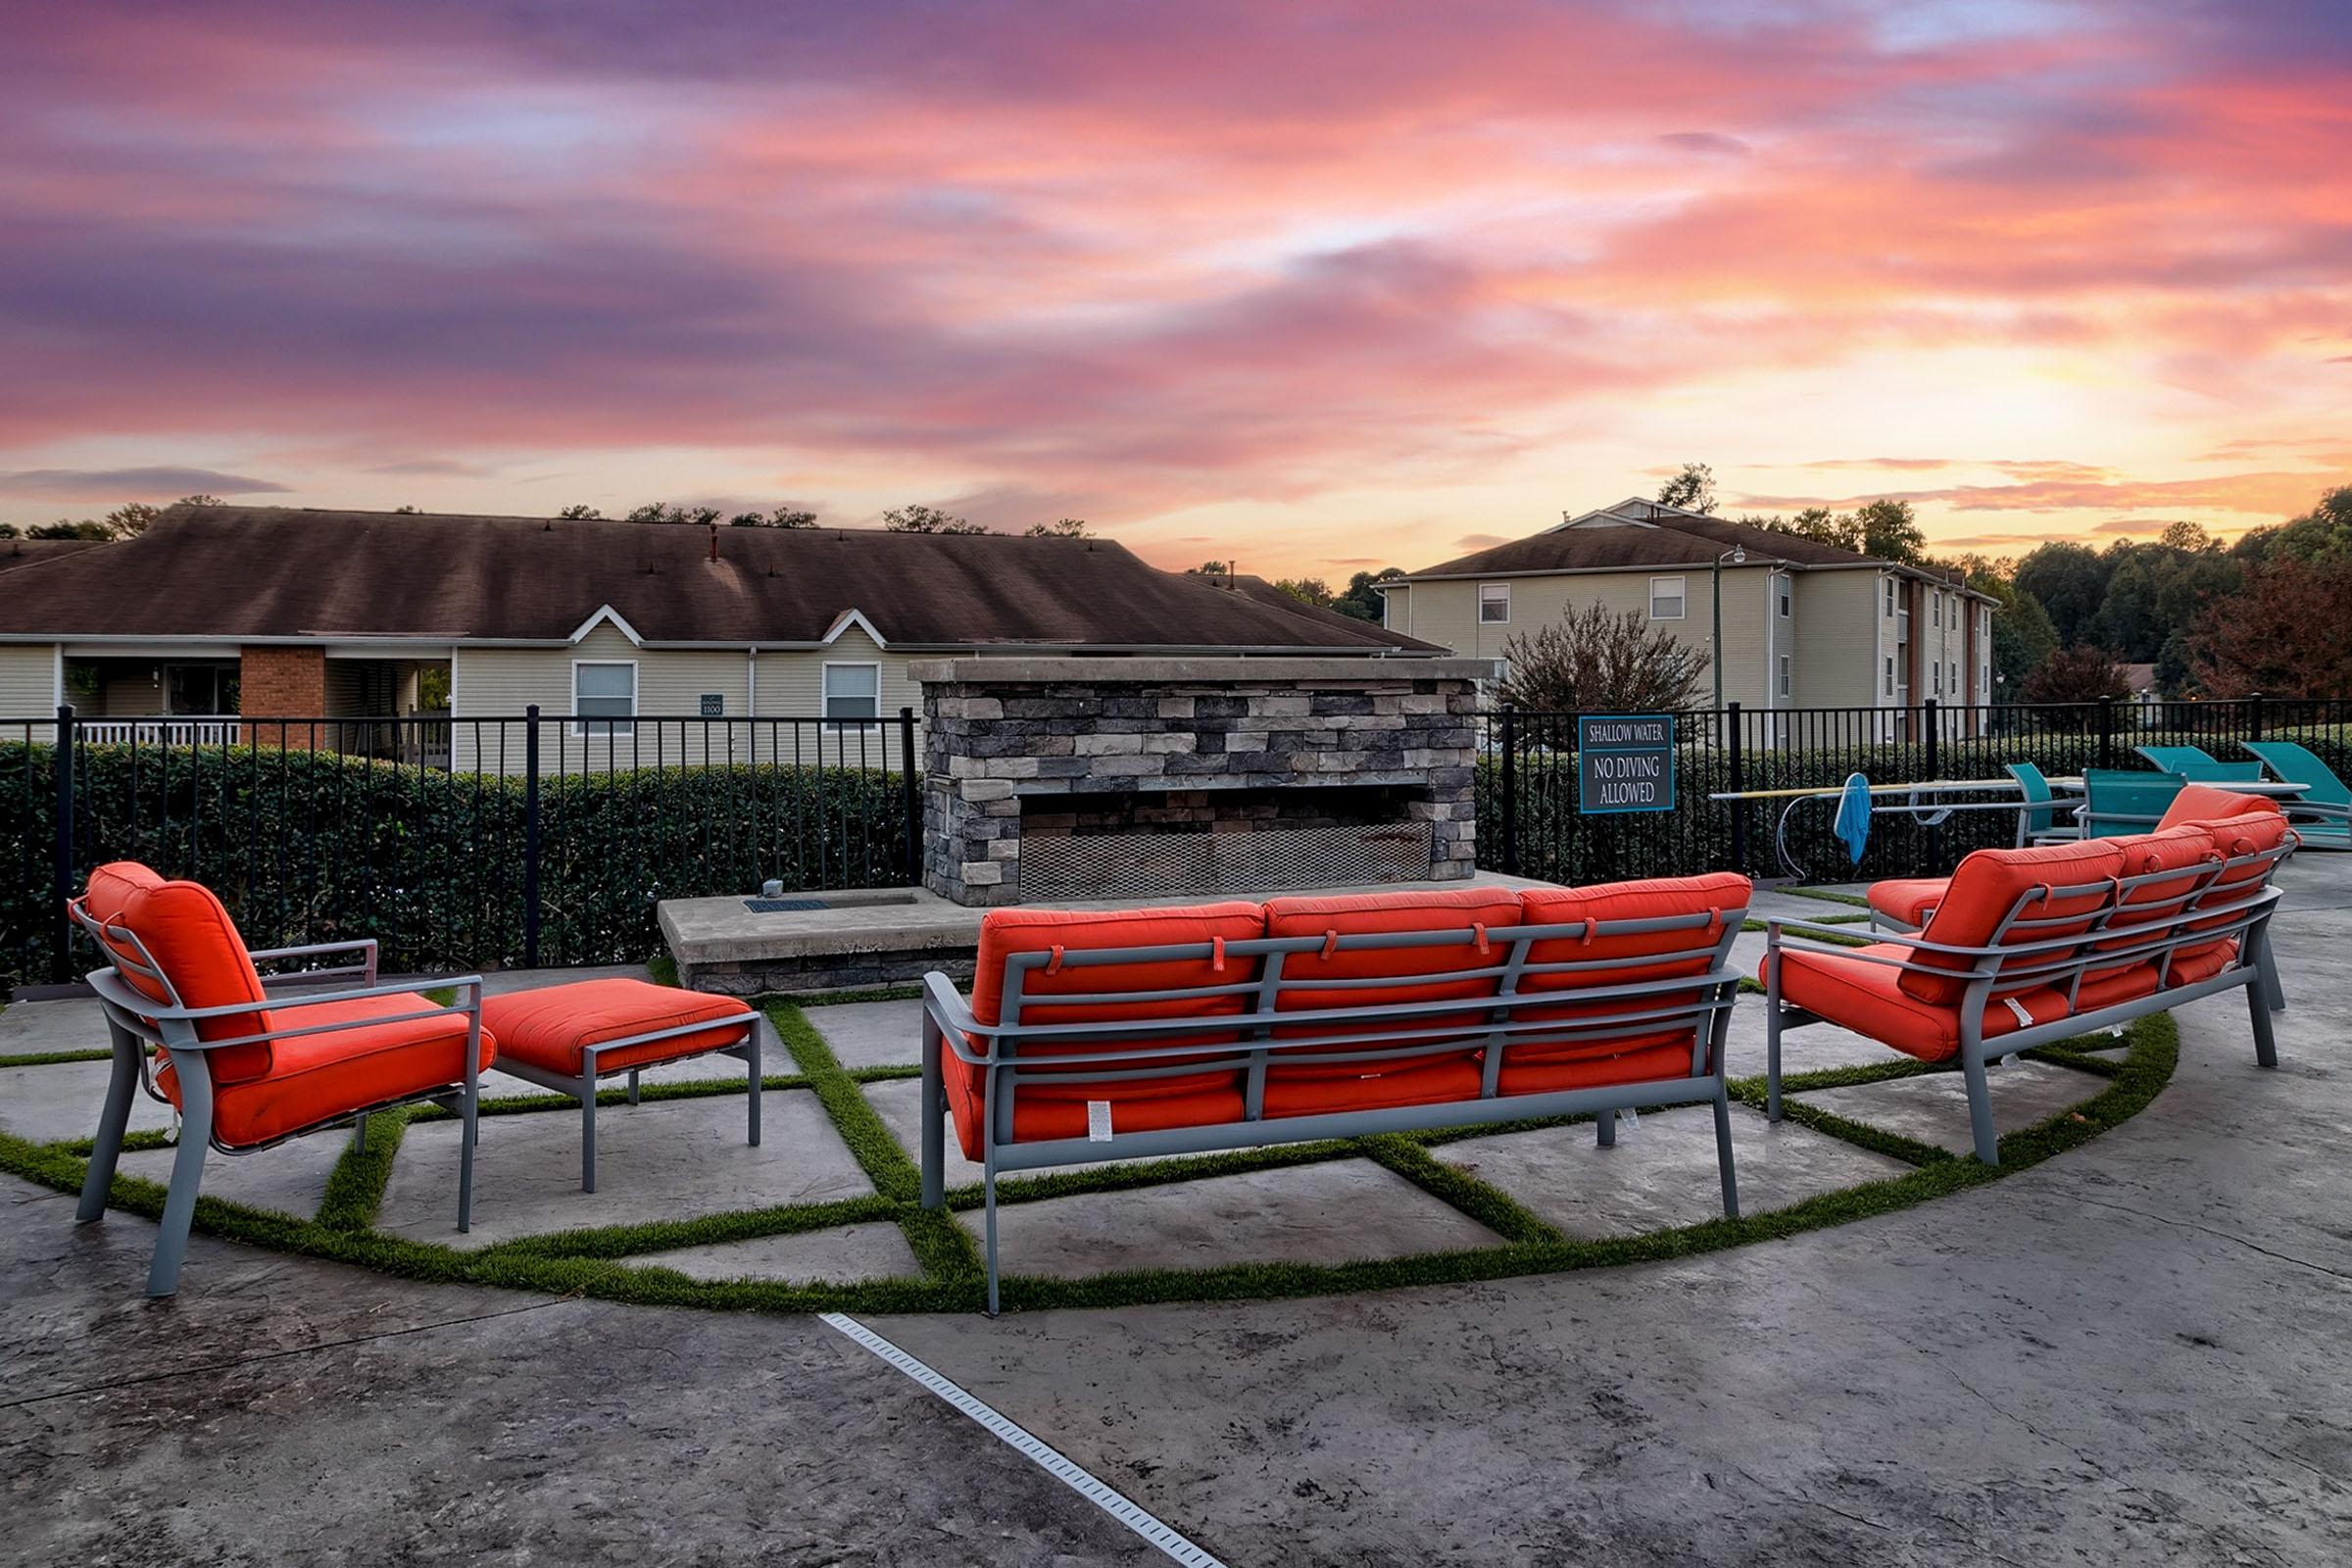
(1166, 843)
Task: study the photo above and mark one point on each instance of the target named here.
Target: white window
(1666, 598)
(1890, 596)
(1494, 603)
(604, 697)
(1936, 610)
(1783, 674)
(1936, 679)
(1956, 678)
(1783, 596)
(852, 692)
(1890, 674)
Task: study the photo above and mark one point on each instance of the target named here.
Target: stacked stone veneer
(1001, 734)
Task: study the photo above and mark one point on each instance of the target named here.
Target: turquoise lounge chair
(2176, 758)
(2037, 821)
(2119, 803)
(2322, 815)
(2219, 772)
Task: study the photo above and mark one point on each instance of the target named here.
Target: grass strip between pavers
(589, 1263)
(1825, 896)
(52, 1059)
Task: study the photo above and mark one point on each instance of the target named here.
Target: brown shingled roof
(274, 572)
(15, 552)
(1664, 536)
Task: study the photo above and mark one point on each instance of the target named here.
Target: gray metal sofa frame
(134, 1020)
(1701, 1001)
(2158, 928)
(583, 1087)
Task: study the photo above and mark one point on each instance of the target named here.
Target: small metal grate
(783, 905)
(1145, 865)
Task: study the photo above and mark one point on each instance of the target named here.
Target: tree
(1060, 528)
(2183, 534)
(657, 512)
(1891, 532)
(2324, 533)
(1592, 661)
(200, 499)
(928, 519)
(64, 528)
(579, 513)
(2071, 581)
(1211, 569)
(2022, 633)
(404, 510)
(785, 517)
(1364, 601)
(1693, 489)
(1306, 590)
(130, 520)
(2077, 673)
(2285, 633)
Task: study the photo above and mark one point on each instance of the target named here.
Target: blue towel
(1852, 825)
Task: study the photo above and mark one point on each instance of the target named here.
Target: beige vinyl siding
(792, 686)
(1838, 659)
(28, 676)
(1446, 612)
(131, 689)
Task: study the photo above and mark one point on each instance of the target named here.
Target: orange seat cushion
(320, 1078)
(1908, 900)
(1648, 1065)
(1193, 1097)
(1870, 999)
(548, 1028)
(1621, 958)
(2207, 804)
(1444, 972)
(1426, 1082)
(1987, 887)
(190, 937)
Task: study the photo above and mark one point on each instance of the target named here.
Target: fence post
(1931, 720)
(1731, 718)
(61, 925)
(2254, 715)
(1510, 790)
(915, 799)
(2106, 732)
(530, 837)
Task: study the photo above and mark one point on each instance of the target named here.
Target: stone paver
(75, 1024)
(1933, 1108)
(667, 1159)
(1335, 1213)
(1662, 1172)
(289, 1179)
(871, 1034)
(62, 1101)
(867, 1251)
(899, 1101)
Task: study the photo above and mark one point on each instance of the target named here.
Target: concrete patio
(2131, 1353)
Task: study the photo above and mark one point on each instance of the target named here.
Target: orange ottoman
(565, 1038)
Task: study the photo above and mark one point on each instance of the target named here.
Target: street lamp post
(1737, 555)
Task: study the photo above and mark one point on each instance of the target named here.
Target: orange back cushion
(1005, 932)
(1988, 886)
(2178, 858)
(192, 940)
(2204, 803)
(2239, 836)
(1381, 913)
(112, 884)
(1628, 958)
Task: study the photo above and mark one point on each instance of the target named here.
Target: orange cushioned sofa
(1135, 1034)
(251, 1061)
(2023, 947)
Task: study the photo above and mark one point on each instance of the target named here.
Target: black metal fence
(1529, 824)
(539, 839)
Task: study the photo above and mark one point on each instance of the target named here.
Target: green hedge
(1557, 843)
(311, 847)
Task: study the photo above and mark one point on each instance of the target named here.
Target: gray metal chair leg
(359, 1133)
(469, 1113)
(1771, 1039)
(757, 1077)
(1979, 1107)
(588, 1137)
(114, 1119)
(2266, 1041)
(2266, 963)
(934, 1141)
(1723, 1152)
(633, 1086)
(188, 1175)
(988, 1187)
(1608, 1129)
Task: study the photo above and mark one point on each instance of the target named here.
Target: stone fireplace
(1059, 779)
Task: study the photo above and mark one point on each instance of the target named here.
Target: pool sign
(1625, 762)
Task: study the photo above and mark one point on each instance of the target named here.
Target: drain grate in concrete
(784, 906)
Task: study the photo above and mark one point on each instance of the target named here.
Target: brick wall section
(992, 745)
(281, 681)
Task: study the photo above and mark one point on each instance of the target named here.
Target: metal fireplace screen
(1145, 865)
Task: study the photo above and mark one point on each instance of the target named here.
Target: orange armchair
(248, 1063)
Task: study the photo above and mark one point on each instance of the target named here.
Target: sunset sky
(1316, 286)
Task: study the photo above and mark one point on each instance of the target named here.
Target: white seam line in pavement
(1044, 1456)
